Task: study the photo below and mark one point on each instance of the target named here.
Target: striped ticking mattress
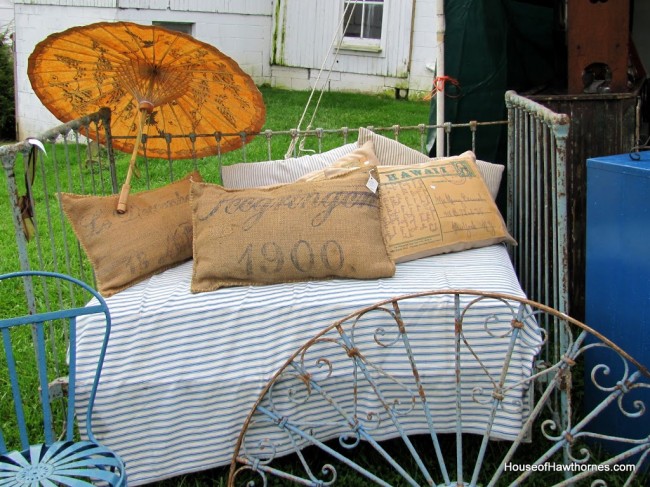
(183, 370)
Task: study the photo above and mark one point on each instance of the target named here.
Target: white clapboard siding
(297, 43)
(6, 16)
(247, 7)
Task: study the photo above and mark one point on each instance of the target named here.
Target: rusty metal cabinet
(601, 125)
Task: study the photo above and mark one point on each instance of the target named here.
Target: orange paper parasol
(155, 81)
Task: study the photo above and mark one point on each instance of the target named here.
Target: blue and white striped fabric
(183, 370)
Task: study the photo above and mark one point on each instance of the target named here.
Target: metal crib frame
(536, 197)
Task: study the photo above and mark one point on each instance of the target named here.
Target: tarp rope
(294, 140)
(439, 86)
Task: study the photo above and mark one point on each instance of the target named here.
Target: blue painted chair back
(27, 343)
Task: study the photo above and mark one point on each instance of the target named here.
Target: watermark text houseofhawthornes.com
(572, 467)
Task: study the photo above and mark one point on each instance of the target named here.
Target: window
(362, 24)
(184, 27)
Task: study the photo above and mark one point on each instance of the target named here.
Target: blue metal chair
(67, 459)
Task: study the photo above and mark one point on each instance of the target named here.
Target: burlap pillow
(293, 232)
(438, 207)
(153, 235)
(390, 152)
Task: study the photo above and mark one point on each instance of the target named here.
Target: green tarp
(492, 46)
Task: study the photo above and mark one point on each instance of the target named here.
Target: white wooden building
(6, 17)
(283, 43)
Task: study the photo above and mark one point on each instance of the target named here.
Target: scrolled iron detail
(604, 370)
(508, 405)
(323, 362)
(372, 417)
(344, 439)
(512, 406)
(250, 483)
(495, 319)
(524, 339)
(638, 404)
(320, 362)
(259, 459)
(303, 377)
(380, 331)
(552, 425)
(411, 403)
(327, 469)
(291, 392)
(584, 451)
(394, 390)
(479, 391)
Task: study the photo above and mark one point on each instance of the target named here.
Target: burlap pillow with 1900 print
(294, 232)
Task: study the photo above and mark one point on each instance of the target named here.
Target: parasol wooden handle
(124, 196)
(126, 187)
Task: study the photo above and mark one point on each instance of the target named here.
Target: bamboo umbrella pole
(145, 109)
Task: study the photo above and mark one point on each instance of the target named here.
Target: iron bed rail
(536, 184)
(536, 192)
